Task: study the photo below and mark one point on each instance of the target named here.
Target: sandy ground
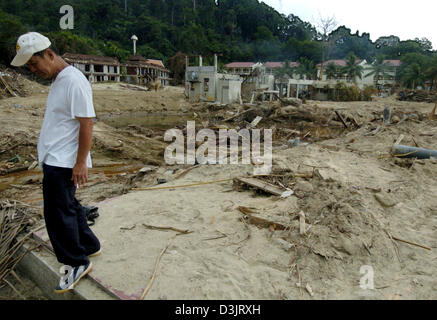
(362, 198)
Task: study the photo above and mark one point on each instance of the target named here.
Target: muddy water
(145, 120)
(142, 119)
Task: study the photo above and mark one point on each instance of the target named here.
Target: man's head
(38, 54)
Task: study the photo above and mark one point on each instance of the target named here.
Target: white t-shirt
(70, 96)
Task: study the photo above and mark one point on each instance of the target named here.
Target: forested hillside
(241, 30)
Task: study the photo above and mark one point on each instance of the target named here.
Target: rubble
(324, 209)
(417, 96)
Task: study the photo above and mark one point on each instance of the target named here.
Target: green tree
(286, 70)
(379, 69)
(10, 29)
(331, 71)
(306, 68)
(431, 71)
(412, 71)
(352, 68)
(413, 76)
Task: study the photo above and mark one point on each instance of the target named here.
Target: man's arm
(80, 170)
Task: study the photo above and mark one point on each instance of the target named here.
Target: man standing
(63, 154)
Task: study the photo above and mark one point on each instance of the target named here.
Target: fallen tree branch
(167, 228)
(149, 285)
(411, 243)
(182, 186)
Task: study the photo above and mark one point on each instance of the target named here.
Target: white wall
(228, 90)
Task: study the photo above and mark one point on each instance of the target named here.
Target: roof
(393, 63)
(137, 59)
(279, 64)
(158, 63)
(338, 63)
(143, 62)
(240, 65)
(90, 58)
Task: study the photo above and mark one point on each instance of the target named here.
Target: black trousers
(67, 227)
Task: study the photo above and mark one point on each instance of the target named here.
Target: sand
(364, 197)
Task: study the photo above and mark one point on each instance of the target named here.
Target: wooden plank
(432, 114)
(341, 119)
(258, 221)
(7, 87)
(399, 140)
(256, 183)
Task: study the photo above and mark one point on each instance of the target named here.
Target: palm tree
(282, 73)
(306, 69)
(413, 76)
(285, 71)
(431, 72)
(331, 71)
(378, 69)
(352, 68)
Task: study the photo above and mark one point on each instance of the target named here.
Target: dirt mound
(13, 84)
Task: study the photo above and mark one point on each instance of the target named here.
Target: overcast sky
(402, 18)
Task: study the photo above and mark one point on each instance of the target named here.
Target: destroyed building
(254, 77)
(264, 77)
(139, 70)
(204, 83)
(95, 68)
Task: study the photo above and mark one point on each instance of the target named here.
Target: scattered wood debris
(432, 114)
(168, 228)
(302, 230)
(419, 96)
(341, 119)
(259, 222)
(15, 218)
(260, 185)
(149, 285)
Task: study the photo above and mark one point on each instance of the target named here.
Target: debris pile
(16, 151)
(15, 219)
(13, 84)
(417, 95)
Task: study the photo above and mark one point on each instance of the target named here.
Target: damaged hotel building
(137, 69)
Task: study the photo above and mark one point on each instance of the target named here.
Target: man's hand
(80, 170)
(80, 174)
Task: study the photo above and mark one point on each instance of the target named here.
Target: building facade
(204, 83)
(140, 70)
(95, 68)
(136, 70)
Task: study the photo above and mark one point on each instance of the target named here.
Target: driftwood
(302, 230)
(411, 243)
(168, 228)
(261, 185)
(238, 115)
(182, 186)
(149, 285)
(296, 114)
(432, 114)
(341, 119)
(8, 88)
(13, 170)
(259, 222)
(14, 218)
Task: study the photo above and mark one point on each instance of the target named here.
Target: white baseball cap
(27, 45)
